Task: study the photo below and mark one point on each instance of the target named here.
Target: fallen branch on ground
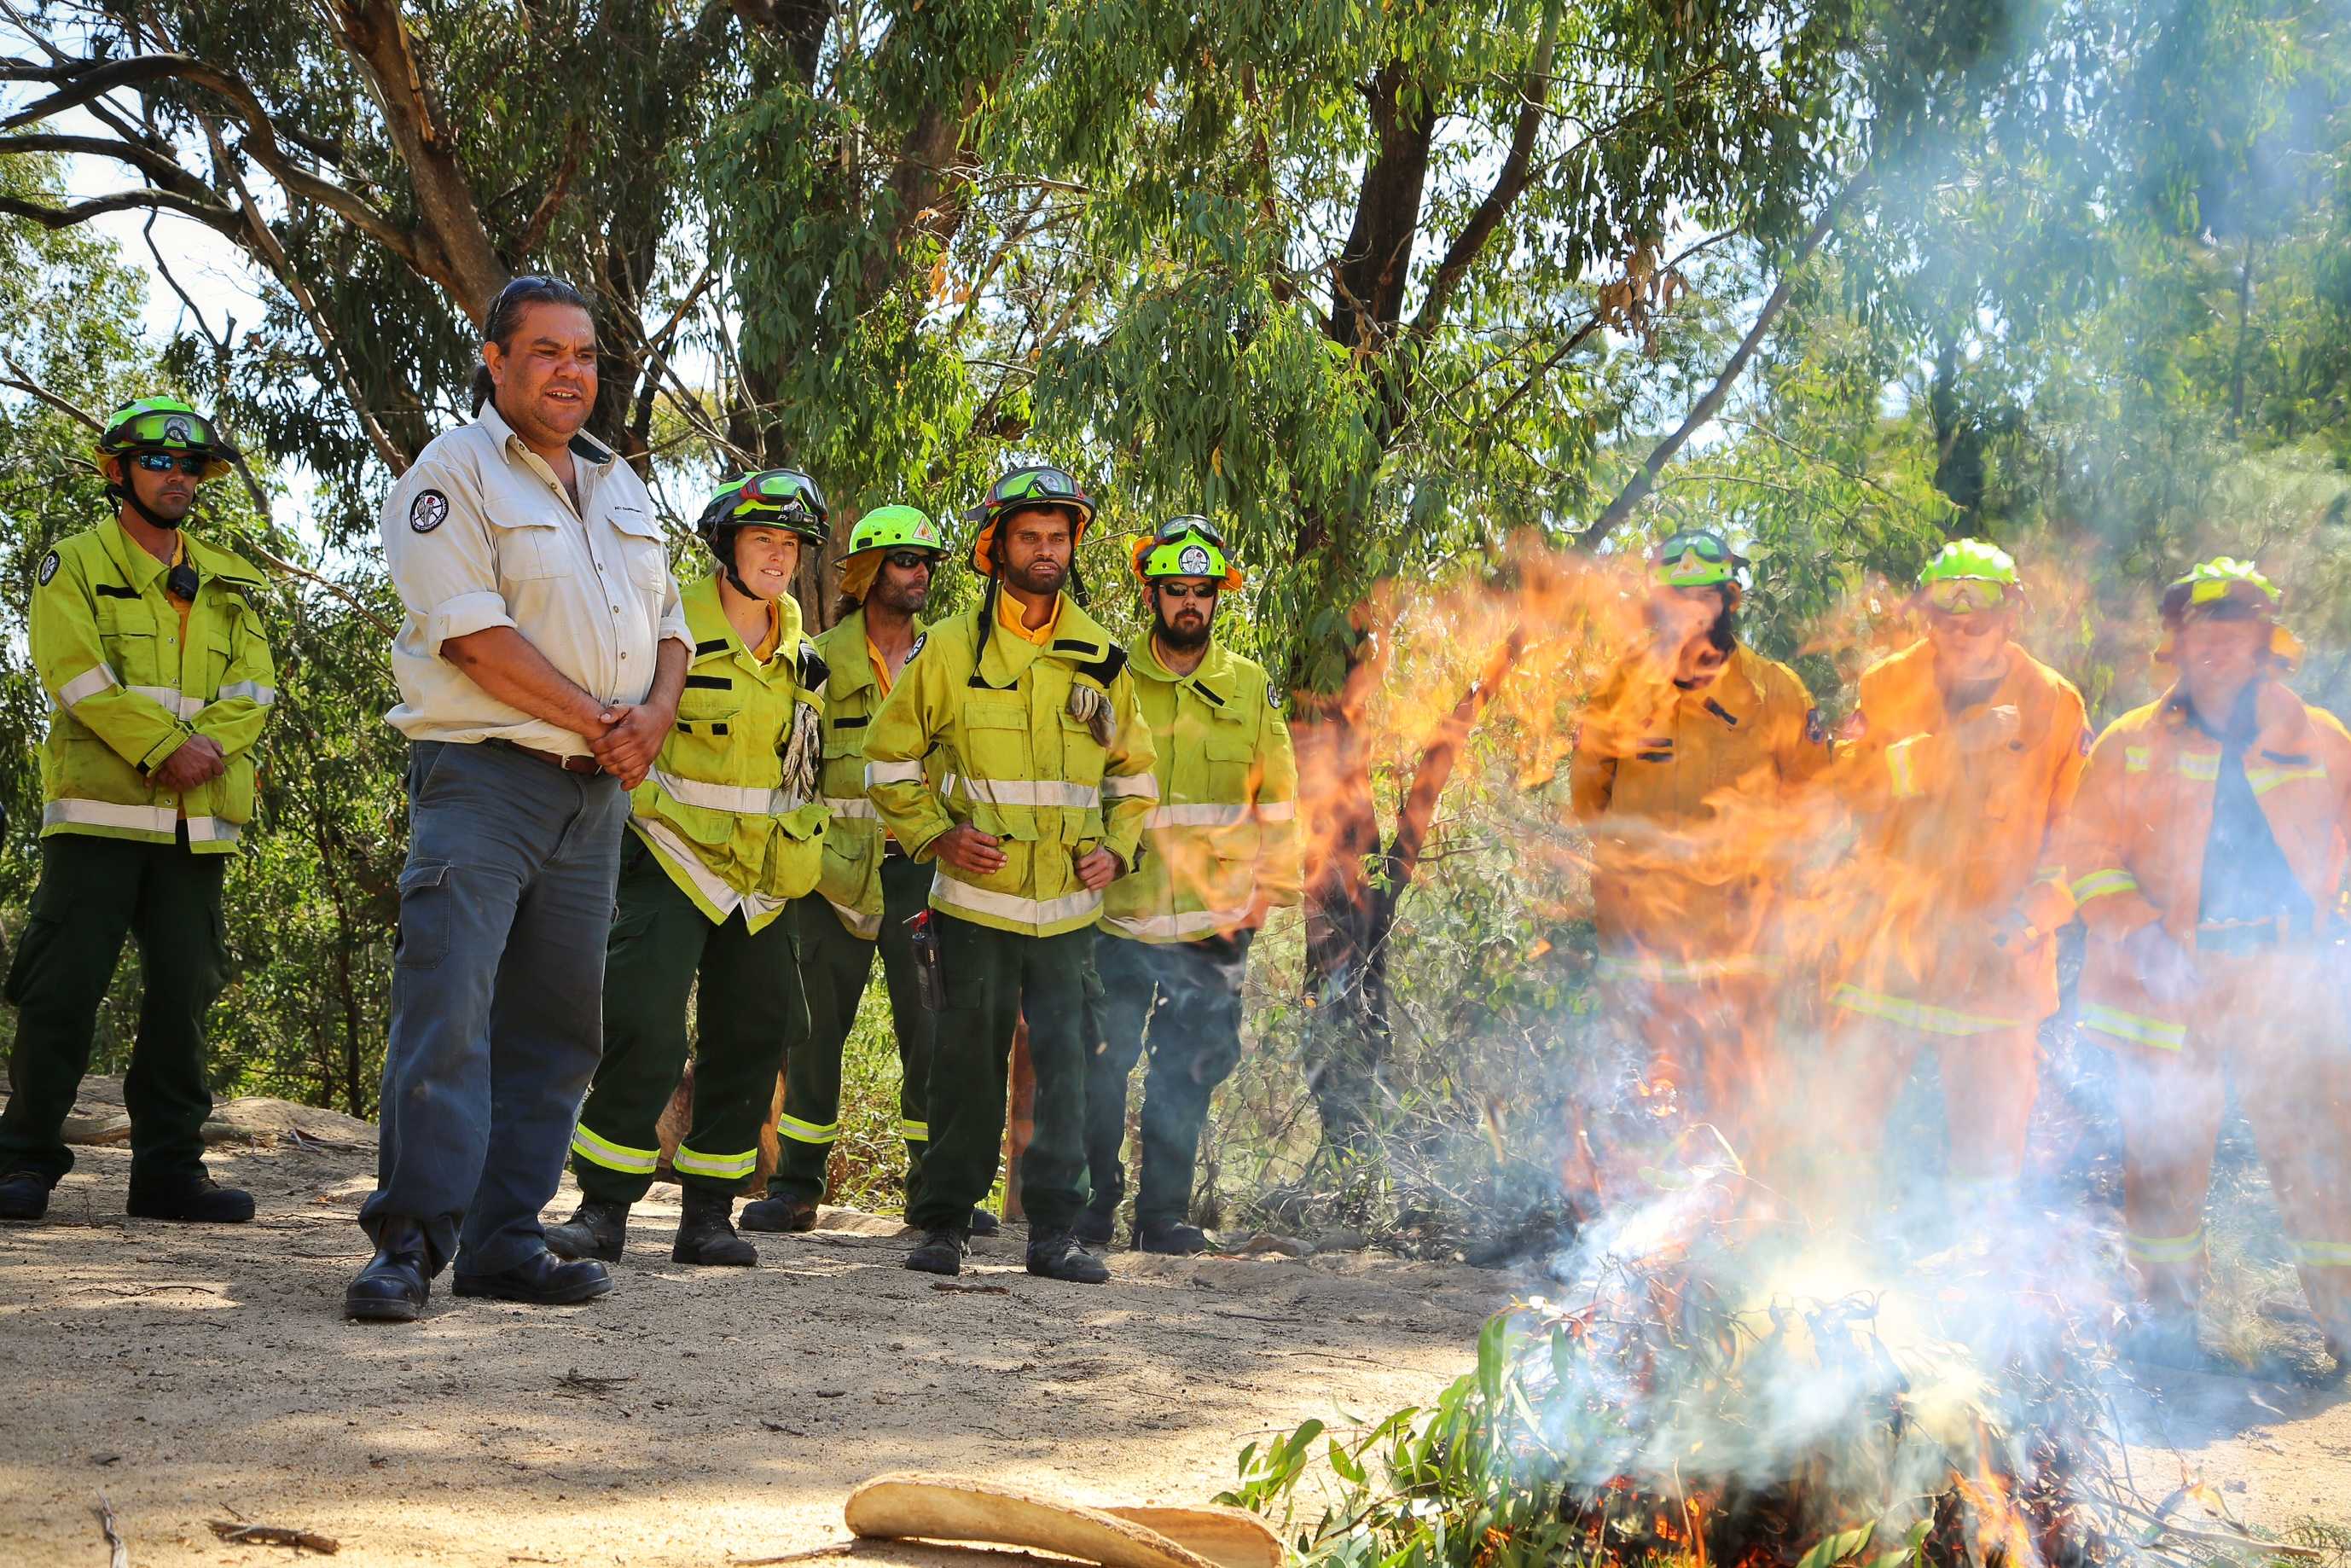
(118, 1550)
(274, 1535)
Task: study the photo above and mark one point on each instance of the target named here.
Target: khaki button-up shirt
(480, 533)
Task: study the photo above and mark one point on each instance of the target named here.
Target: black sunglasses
(1186, 591)
(165, 461)
(907, 560)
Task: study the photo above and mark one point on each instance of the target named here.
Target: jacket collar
(1078, 638)
(2282, 721)
(852, 671)
(1215, 673)
(583, 445)
(139, 570)
(1735, 694)
(706, 617)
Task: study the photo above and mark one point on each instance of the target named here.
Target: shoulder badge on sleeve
(1273, 696)
(920, 638)
(1816, 728)
(48, 568)
(428, 511)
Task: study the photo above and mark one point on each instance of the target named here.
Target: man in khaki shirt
(539, 667)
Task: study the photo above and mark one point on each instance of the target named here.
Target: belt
(572, 764)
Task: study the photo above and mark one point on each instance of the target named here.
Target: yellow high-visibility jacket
(131, 691)
(855, 842)
(717, 809)
(1950, 836)
(1679, 792)
(1226, 828)
(1019, 765)
(2131, 851)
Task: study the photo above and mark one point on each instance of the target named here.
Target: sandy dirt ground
(708, 1416)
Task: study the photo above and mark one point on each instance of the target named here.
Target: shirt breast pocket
(127, 629)
(1228, 753)
(647, 566)
(529, 552)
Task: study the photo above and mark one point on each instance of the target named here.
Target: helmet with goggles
(1188, 547)
(166, 425)
(1039, 485)
(1969, 575)
(2226, 589)
(1694, 558)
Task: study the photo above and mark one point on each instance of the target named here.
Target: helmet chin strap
(130, 498)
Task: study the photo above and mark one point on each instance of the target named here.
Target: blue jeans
(497, 995)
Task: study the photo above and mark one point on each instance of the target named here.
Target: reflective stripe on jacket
(2131, 851)
(717, 810)
(1016, 763)
(853, 842)
(130, 690)
(1225, 828)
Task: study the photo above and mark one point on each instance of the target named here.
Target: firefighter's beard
(1702, 655)
(1189, 634)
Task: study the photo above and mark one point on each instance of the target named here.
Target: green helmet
(1695, 559)
(1187, 547)
(896, 527)
(1968, 575)
(2226, 586)
(2223, 577)
(166, 424)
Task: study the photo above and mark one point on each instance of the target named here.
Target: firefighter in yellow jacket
(147, 640)
(1220, 849)
(1049, 781)
(724, 833)
(2205, 856)
(1682, 760)
(870, 887)
(1963, 738)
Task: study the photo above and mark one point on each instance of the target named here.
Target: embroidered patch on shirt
(48, 568)
(428, 511)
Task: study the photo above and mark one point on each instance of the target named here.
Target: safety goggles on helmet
(1964, 595)
(166, 425)
(1695, 559)
(1187, 547)
(1039, 485)
(771, 498)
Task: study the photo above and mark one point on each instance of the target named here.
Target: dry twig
(301, 1540)
(118, 1550)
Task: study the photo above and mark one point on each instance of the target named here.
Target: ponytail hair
(498, 322)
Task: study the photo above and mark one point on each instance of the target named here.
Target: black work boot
(1171, 1237)
(393, 1287)
(23, 1195)
(194, 1197)
(705, 1233)
(941, 1251)
(594, 1230)
(1096, 1227)
(779, 1213)
(1056, 1255)
(983, 1223)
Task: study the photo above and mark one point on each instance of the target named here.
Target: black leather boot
(780, 1213)
(23, 1195)
(393, 1287)
(194, 1198)
(594, 1230)
(1056, 1255)
(941, 1251)
(705, 1233)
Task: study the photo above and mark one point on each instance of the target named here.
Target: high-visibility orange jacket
(2132, 849)
(1659, 777)
(1952, 812)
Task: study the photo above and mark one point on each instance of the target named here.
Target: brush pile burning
(1707, 1387)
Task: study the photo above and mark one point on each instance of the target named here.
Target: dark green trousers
(835, 966)
(993, 979)
(92, 893)
(1184, 1000)
(748, 1012)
